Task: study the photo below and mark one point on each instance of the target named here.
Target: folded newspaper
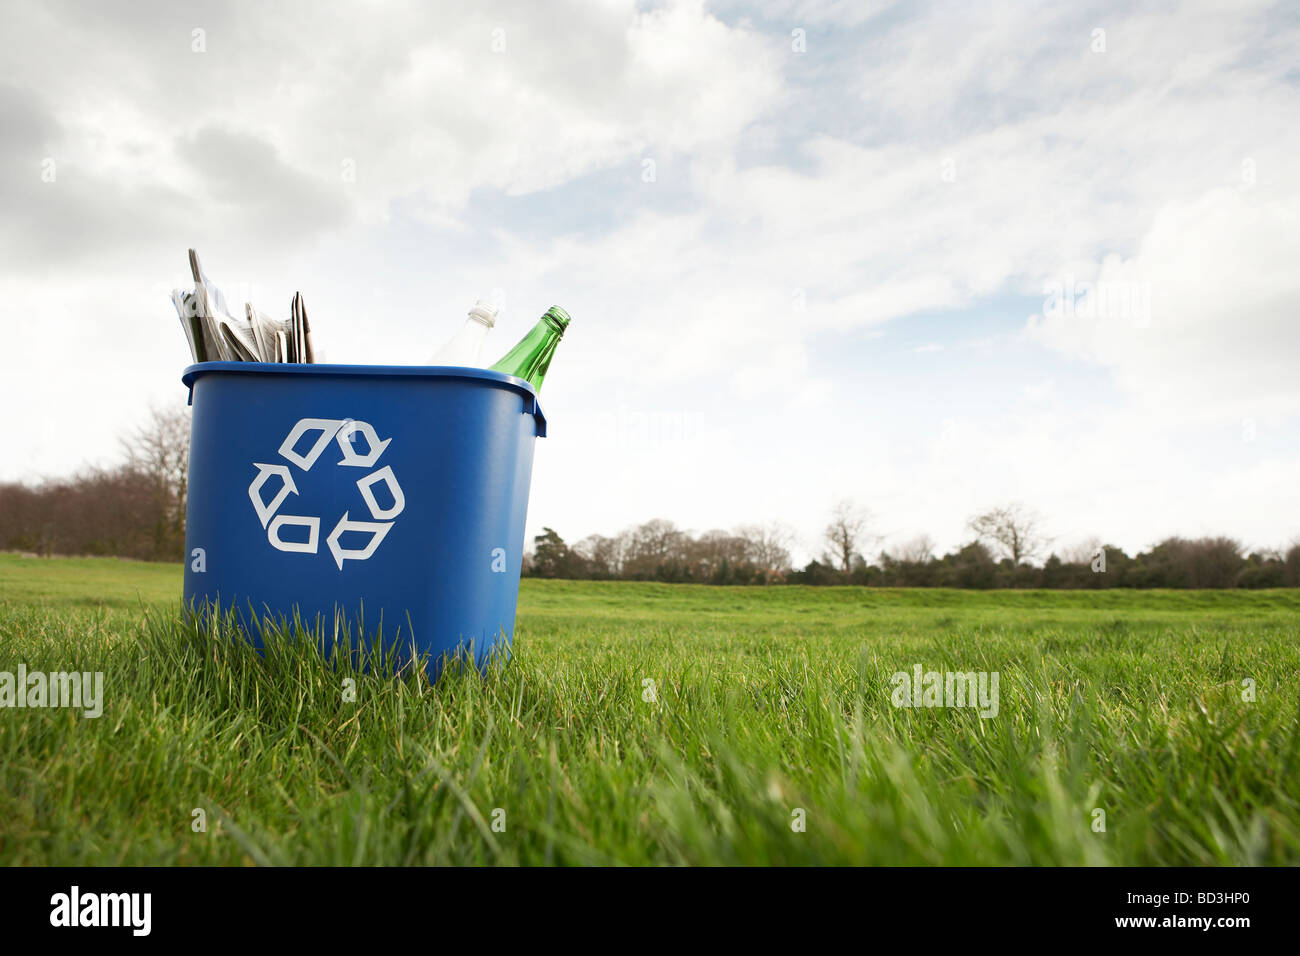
(215, 335)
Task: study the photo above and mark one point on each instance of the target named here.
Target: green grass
(768, 701)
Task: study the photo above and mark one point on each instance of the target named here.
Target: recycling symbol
(345, 433)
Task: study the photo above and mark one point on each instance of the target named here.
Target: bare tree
(769, 545)
(1082, 552)
(1013, 529)
(848, 532)
(916, 551)
(652, 546)
(1291, 568)
(715, 549)
(160, 449)
(604, 556)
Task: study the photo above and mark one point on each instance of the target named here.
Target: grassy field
(769, 706)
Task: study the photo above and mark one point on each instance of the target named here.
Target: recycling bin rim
(531, 404)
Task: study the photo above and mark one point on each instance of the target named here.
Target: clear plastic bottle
(466, 346)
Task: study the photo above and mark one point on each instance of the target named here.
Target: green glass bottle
(531, 358)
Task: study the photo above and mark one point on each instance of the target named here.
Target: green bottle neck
(531, 357)
(556, 319)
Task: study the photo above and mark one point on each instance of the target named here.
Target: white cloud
(1221, 340)
(517, 97)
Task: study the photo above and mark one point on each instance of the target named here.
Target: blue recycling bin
(390, 499)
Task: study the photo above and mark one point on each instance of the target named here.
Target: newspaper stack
(217, 336)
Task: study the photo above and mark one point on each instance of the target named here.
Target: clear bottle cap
(485, 312)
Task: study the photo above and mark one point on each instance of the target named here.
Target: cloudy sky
(926, 256)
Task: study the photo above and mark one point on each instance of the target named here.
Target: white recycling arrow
(264, 508)
(346, 435)
(378, 530)
(385, 475)
(304, 547)
(326, 426)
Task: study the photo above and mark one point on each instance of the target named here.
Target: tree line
(1003, 552)
(136, 509)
